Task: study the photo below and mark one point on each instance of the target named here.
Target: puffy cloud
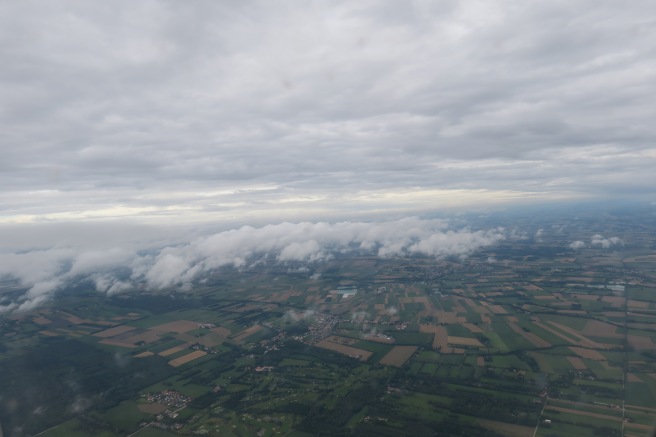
(115, 270)
(605, 243)
(598, 240)
(577, 244)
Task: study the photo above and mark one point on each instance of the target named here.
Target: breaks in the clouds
(44, 272)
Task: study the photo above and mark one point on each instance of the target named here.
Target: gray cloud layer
(43, 272)
(200, 111)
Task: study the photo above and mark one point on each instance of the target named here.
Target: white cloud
(198, 111)
(605, 243)
(44, 272)
(577, 244)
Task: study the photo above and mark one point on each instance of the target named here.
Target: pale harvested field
(632, 377)
(449, 317)
(104, 323)
(577, 363)
(506, 429)
(639, 426)
(640, 342)
(579, 279)
(440, 335)
(600, 329)
(342, 340)
(486, 319)
(398, 355)
(613, 314)
(154, 408)
(178, 326)
(532, 287)
(531, 337)
(379, 307)
(41, 320)
(361, 354)
(74, 319)
(480, 361)
(580, 296)
(464, 341)
(588, 353)
(638, 304)
(111, 342)
(173, 350)
(457, 351)
(472, 328)
(49, 333)
(616, 301)
(113, 332)
(187, 358)
(247, 333)
(513, 319)
(144, 354)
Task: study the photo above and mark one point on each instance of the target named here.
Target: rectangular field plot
(187, 358)
(398, 355)
(360, 354)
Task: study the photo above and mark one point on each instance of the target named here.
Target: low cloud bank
(598, 240)
(44, 272)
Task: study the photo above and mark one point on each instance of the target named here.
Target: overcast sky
(172, 112)
(164, 124)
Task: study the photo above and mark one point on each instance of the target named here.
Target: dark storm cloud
(209, 110)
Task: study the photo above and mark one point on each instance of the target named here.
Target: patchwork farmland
(523, 339)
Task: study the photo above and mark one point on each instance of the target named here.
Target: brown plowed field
(587, 353)
(577, 363)
(398, 355)
(472, 328)
(600, 329)
(440, 335)
(362, 354)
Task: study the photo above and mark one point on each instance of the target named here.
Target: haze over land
(152, 127)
